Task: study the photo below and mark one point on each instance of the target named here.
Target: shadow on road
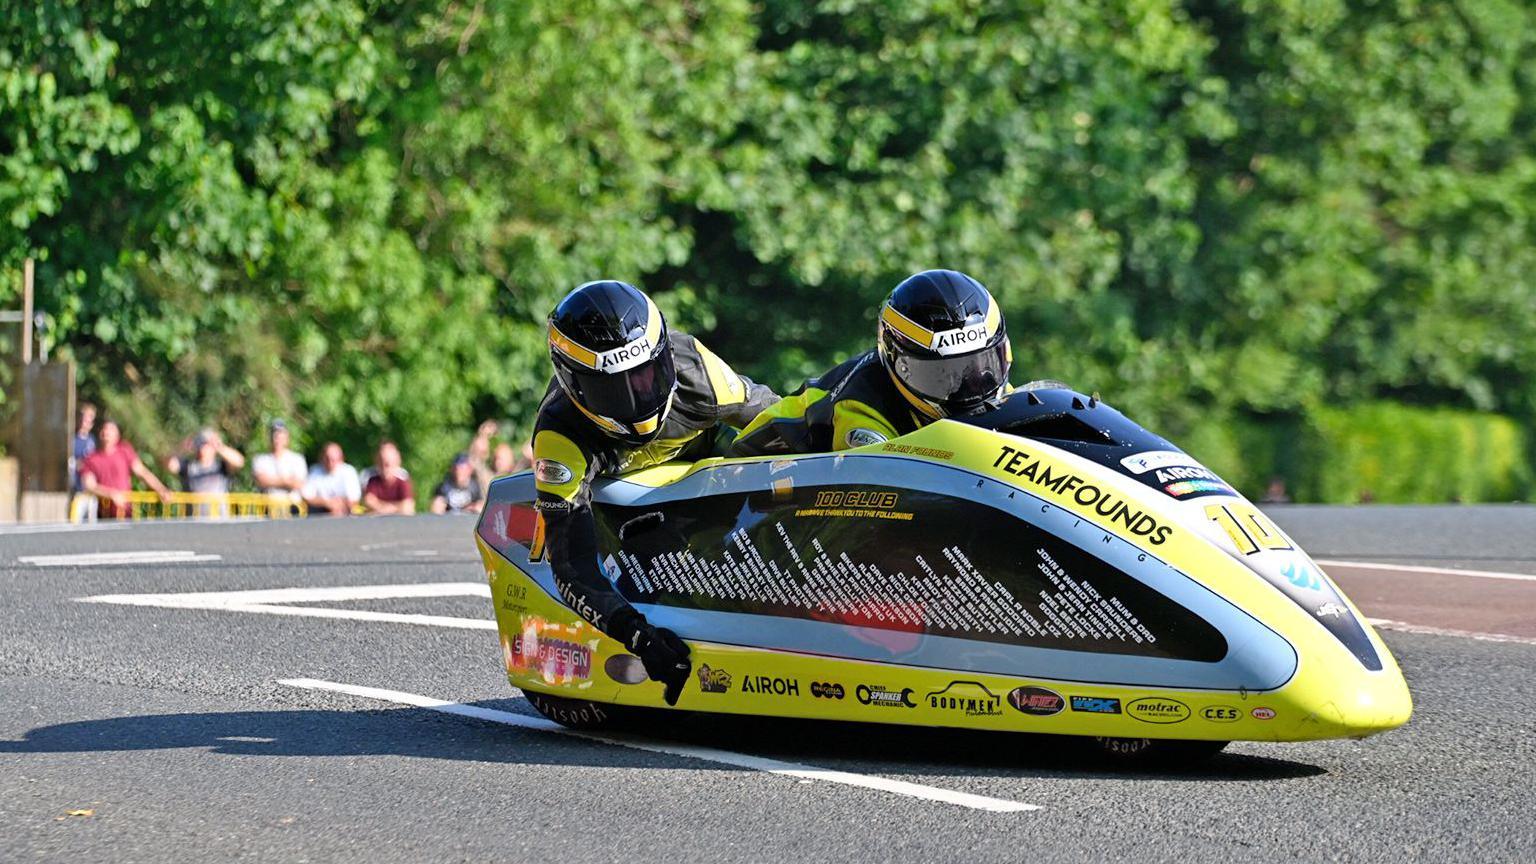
(428, 734)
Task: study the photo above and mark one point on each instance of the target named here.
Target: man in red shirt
(388, 489)
(109, 472)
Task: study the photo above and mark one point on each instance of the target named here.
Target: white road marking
(1405, 627)
(1437, 571)
(269, 601)
(62, 527)
(708, 754)
(104, 559)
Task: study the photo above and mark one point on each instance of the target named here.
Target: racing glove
(664, 655)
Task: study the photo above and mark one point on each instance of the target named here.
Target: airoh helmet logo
(962, 340)
(625, 356)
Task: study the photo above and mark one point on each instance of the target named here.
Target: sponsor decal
(1188, 488)
(856, 498)
(1220, 713)
(970, 698)
(545, 505)
(881, 697)
(625, 669)
(822, 690)
(1096, 704)
(929, 452)
(960, 341)
(1331, 610)
(864, 437)
(625, 356)
(1262, 713)
(1301, 576)
(713, 680)
(855, 502)
(551, 472)
(1152, 460)
(512, 597)
(1184, 472)
(1155, 709)
(1065, 484)
(770, 685)
(553, 659)
(1036, 700)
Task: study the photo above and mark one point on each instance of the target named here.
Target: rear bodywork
(1055, 570)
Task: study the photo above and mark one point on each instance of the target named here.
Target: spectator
(1275, 492)
(281, 472)
(84, 444)
(507, 461)
(211, 465)
(388, 490)
(332, 488)
(108, 473)
(479, 450)
(460, 491)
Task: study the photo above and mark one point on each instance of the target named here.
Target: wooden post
(26, 313)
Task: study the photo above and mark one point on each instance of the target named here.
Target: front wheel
(1157, 753)
(578, 713)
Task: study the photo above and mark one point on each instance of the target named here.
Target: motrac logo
(1154, 709)
(874, 694)
(713, 680)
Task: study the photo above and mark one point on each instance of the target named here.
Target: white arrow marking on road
(103, 559)
(708, 754)
(266, 602)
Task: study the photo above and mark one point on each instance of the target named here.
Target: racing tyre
(1157, 753)
(579, 713)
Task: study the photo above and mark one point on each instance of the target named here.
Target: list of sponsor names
(946, 594)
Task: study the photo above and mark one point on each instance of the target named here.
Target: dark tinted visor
(629, 396)
(965, 379)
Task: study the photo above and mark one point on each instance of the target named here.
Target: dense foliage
(355, 213)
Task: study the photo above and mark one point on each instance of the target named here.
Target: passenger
(627, 393)
(943, 351)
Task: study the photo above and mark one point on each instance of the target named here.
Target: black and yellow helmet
(609, 345)
(943, 340)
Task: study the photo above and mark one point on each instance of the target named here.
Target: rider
(627, 393)
(943, 351)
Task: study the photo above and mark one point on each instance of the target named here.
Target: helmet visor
(958, 381)
(629, 396)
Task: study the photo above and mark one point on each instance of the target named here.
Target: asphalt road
(144, 733)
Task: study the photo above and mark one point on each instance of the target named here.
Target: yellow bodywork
(548, 648)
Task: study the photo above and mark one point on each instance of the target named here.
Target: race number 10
(1250, 530)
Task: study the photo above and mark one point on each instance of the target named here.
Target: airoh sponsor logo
(625, 356)
(770, 685)
(951, 341)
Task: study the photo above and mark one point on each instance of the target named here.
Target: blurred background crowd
(104, 466)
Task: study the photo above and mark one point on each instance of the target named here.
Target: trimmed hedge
(1374, 451)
